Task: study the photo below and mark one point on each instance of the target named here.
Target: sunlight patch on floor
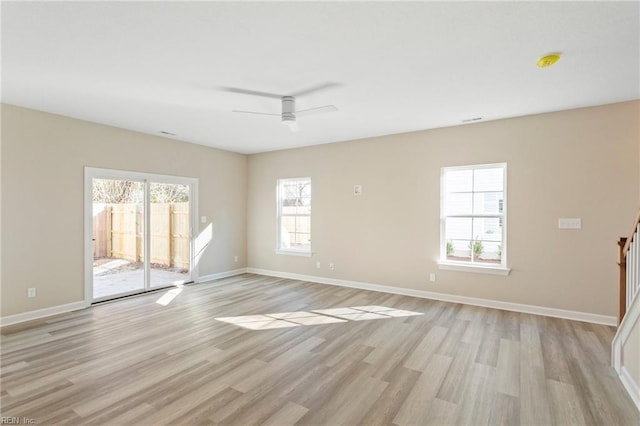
(316, 317)
(166, 298)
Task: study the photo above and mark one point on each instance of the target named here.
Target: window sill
(294, 252)
(481, 269)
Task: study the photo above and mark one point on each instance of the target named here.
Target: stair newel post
(622, 290)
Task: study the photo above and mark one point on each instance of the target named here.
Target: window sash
(303, 212)
(489, 251)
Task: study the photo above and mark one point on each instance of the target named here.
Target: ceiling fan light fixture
(290, 121)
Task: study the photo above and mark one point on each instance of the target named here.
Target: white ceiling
(398, 67)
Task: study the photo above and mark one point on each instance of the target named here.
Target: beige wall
(578, 163)
(43, 159)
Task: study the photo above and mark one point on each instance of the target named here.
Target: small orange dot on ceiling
(548, 60)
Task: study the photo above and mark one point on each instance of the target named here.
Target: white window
(474, 216)
(294, 216)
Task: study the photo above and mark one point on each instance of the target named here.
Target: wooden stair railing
(629, 269)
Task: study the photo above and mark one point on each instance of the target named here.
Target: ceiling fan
(288, 114)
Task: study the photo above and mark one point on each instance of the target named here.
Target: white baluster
(636, 284)
(632, 285)
(630, 274)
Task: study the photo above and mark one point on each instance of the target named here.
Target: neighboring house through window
(473, 216)
(294, 216)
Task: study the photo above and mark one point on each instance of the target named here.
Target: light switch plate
(570, 223)
(357, 189)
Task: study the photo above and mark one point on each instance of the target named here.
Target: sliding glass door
(169, 233)
(138, 232)
(117, 233)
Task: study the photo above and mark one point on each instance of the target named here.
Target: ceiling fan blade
(250, 92)
(255, 112)
(315, 88)
(316, 110)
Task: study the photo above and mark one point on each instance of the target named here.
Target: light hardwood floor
(139, 362)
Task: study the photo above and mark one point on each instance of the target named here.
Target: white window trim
(279, 249)
(293, 252)
(445, 264)
(469, 267)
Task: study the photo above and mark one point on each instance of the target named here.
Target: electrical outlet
(318, 264)
(31, 292)
(432, 277)
(332, 266)
(235, 258)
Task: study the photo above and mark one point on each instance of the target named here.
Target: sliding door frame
(91, 173)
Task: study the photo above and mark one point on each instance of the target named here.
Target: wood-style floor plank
(287, 415)
(417, 405)
(135, 361)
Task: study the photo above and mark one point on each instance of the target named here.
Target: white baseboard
(486, 303)
(219, 275)
(41, 313)
(631, 386)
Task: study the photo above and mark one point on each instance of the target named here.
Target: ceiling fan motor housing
(288, 108)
